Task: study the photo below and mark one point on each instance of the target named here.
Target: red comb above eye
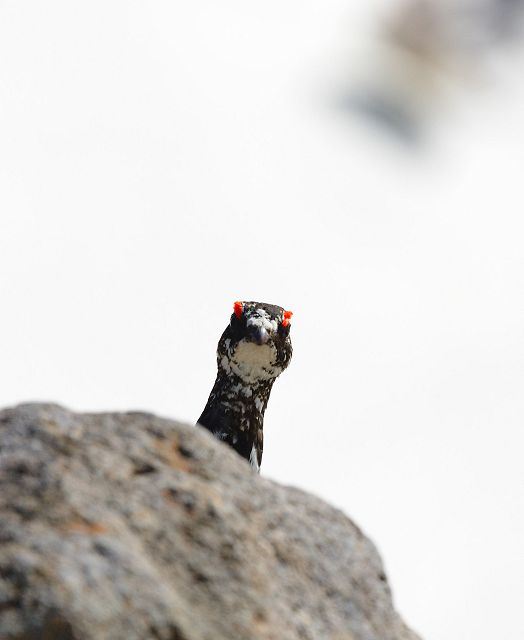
(287, 317)
(238, 308)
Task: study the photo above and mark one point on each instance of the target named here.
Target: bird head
(256, 346)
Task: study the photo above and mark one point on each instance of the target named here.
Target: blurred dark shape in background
(424, 48)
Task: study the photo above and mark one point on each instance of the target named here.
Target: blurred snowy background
(359, 163)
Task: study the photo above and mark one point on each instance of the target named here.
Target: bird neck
(235, 406)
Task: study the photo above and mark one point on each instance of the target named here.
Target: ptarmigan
(253, 351)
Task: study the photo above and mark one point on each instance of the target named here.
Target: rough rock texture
(128, 526)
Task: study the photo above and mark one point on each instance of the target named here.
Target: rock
(129, 526)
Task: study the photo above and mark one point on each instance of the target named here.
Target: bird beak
(258, 335)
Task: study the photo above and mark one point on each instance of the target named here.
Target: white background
(160, 160)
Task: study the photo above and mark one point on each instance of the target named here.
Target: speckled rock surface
(131, 527)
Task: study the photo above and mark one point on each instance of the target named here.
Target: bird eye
(238, 309)
(287, 318)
